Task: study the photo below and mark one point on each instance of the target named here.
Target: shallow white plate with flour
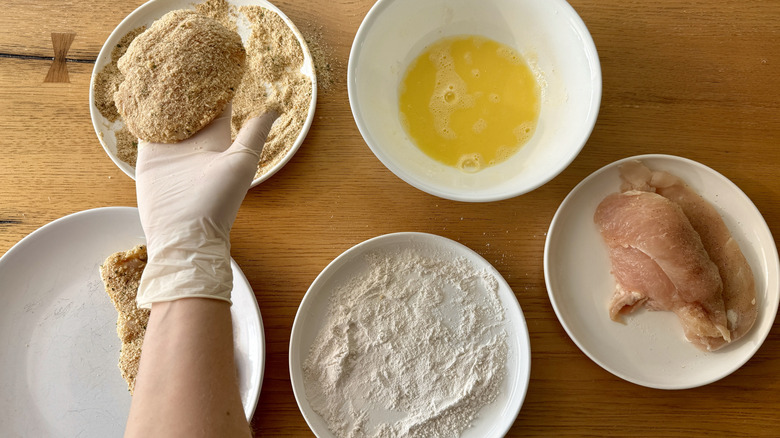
(493, 420)
(650, 349)
(147, 14)
(58, 343)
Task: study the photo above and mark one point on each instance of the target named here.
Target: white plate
(650, 349)
(495, 419)
(147, 14)
(58, 366)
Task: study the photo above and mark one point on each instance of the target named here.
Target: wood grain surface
(697, 78)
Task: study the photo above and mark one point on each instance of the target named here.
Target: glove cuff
(189, 264)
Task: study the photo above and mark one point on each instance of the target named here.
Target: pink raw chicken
(670, 250)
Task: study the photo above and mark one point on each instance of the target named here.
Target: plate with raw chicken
(662, 271)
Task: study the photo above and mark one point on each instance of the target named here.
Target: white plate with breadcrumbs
(493, 420)
(58, 367)
(147, 14)
(650, 349)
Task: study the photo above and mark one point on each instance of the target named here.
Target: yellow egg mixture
(469, 102)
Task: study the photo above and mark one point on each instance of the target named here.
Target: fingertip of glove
(255, 131)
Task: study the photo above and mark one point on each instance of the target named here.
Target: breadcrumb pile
(273, 82)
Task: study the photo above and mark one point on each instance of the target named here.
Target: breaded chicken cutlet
(178, 76)
(121, 274)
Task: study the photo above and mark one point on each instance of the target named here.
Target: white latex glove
(188, 197)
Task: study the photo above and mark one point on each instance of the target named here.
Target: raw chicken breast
(739, 292)
(659, 261)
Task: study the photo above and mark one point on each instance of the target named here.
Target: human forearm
(187, 384)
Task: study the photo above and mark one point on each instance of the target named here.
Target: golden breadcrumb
(221, 11)
(126, 146)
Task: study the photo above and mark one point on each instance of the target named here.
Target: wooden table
(697, 79)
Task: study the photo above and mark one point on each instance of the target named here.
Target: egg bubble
(470, 163)
(523, 132)
(447, 133)
(404, 120)
(479, 126)
(509, 55)
(503, 153)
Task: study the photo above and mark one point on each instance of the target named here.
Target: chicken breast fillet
(739, 290)
(659, 261)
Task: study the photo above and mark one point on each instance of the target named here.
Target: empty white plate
(58, 343)
(650, 349)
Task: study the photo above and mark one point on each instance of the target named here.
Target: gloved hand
(188, 197)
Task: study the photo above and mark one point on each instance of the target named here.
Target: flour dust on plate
(386, 362)
(650, 349)
(414, 335)
(64, 350)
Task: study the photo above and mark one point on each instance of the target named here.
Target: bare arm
(187, 384)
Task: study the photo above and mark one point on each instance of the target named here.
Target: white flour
(413, 346)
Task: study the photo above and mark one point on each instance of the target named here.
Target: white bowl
(147, 14)
(549, 34)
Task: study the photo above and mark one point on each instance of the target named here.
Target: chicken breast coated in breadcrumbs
(121, 274)
(178, 76)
